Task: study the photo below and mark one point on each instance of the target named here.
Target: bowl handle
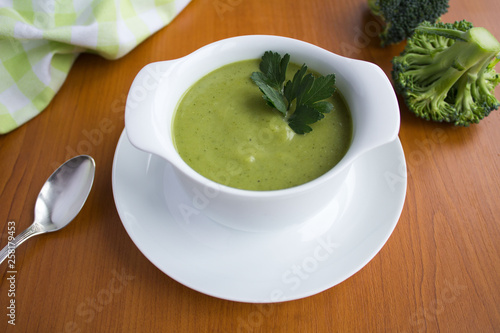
(142, 127)
(381, 125)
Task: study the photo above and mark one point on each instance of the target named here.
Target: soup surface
(225, 131)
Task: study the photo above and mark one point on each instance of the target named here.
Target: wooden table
(439, 271)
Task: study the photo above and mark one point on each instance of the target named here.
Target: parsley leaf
(308, 91)
(274, 68)
(321, 88)
(303, 116)
(273, 96)
(295, 87)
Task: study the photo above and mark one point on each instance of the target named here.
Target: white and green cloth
(40, 40)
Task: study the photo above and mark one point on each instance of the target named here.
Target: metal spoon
(60, 200)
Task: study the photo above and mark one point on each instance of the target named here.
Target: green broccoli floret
(446, 72)
(401, 17)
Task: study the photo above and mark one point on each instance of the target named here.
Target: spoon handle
(32, 230)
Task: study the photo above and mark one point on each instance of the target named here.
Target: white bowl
(159, 86)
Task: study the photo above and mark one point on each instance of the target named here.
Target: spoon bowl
(60, 200)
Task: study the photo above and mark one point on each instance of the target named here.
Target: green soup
(225, 131)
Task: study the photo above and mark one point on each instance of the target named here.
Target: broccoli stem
(374, 7)
(443, 32)
(469, 55)
(464, 95)
(446, 72)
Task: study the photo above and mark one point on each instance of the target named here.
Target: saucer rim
(371, 253)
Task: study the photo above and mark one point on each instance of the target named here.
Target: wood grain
(439, 271)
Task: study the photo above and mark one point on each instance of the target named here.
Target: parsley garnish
(306, 90)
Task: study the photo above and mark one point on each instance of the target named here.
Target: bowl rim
(309, 50)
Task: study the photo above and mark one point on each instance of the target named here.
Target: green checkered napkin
(40, 40)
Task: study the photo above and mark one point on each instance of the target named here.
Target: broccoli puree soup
(225, 131)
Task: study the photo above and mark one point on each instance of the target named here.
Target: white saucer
(258, 267)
